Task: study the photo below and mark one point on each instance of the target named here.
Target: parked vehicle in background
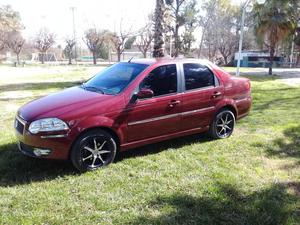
(131, 104)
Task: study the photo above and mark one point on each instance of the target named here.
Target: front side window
(197, 76)
(162, 80)
(114, 79)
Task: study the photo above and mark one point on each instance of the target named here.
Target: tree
(144, 39)
(158, 48)
(181, 11)
(15, 42)
(129, 42)
(43, 41)
(68, 50)
(275, 20)
(189, 27)
(219, 29)
(206, 19)
(118, 40)
(9, 21)
(225, 29)
(94, 40)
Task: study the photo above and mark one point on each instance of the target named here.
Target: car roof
(151, 61)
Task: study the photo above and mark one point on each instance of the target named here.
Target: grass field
(251, 178)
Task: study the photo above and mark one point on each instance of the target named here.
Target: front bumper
(33, 151)
(50, 146)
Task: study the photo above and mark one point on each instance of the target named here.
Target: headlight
(46, 125)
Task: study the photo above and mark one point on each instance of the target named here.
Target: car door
(202, 93)
(158, 115)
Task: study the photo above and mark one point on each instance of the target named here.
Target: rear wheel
(94, 149)
(223, 125)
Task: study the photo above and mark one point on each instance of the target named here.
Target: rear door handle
(216, 94)
(173, 103)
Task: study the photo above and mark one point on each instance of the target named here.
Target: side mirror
(145, 93)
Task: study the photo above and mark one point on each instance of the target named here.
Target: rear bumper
(243, 106)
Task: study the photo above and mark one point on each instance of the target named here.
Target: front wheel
(92, 150)
(222, 125)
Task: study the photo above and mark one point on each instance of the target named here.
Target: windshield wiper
(91, 88)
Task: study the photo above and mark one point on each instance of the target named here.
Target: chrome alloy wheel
(96, 151)
(225, 124)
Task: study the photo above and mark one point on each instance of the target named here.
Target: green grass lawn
(251, 178)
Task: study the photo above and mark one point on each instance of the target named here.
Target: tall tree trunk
(145, 54)
(43, 57)
(94, 58)
(209, 51)
(225, 57)
(18, 58)
(272, 52)
(201, 42)
(70, 59)
(119, 55)
(177, 44)
(158, 48)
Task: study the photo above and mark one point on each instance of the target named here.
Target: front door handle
(173, 103)
(216, 94)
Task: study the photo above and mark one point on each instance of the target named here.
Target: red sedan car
(131, 104)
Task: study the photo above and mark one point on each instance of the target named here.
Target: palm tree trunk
(158, 48)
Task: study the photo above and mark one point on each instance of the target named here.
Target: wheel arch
(227, 104)
(229, 107)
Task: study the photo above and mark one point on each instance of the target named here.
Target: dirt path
(289, 76)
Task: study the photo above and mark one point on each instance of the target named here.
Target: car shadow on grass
(274, 205)
(16, 169)
(155, 148)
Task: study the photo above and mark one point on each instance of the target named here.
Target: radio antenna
(130, 59)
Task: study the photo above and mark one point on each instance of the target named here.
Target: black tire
(92, 150)
(222, 125)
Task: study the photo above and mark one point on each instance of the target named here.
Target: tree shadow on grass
(289, 145)
(162, 146)
(281, 103)
(16, 169)
(227, 205)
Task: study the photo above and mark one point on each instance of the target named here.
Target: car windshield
(115, 78)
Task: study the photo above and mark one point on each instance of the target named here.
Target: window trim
(201, 88)
(165, 95)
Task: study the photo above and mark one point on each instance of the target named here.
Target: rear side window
(197, 76)
(162, 80)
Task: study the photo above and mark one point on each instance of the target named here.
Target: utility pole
(74, 32)
(246, 7)
(241, 42)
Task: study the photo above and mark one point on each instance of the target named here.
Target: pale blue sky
(56, 14)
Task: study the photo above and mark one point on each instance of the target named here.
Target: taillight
(248, 85)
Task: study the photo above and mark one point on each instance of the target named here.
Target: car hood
(57, 104)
